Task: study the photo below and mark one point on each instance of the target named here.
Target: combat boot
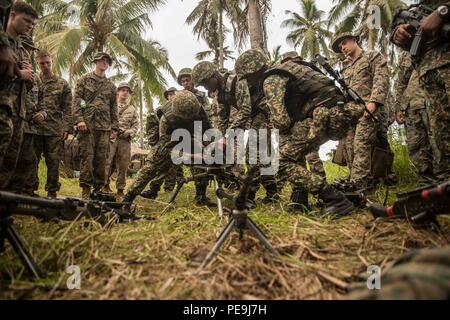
(299, 201)
(334, 201)
(86, 193)
(201, 199)
(51, 194)
(271, 194)
(152, 193)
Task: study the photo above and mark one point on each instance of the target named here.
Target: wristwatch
(444, 12)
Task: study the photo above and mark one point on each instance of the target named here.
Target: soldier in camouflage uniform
(367, 74)
(433, 68)
(20, 23)
(120, 147)
(175, 172)
(417, 275)
(94, 112)
(246, 98)
(7, 65)
(22, 178)
(55, 98)
(182, 112)
(308, 110)
(410, 109)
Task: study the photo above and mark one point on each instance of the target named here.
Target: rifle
(352, 94)
(50, 209)
(414, 16)
(420, 206)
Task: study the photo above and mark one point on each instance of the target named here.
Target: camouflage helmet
(171, 89)
(250, 61)
(288, 55)
(203, 71)
(101, 55)
(184, 72)
(124, 85)
(185, 105)
(338, 39)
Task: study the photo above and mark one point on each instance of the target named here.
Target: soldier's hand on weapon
(65, 135)
(431, 25)
(372, 106)
(400, 117)
(25, 65)
(113, 134)
(38, 117)
(401, 34)
(7, 62)
(82, 127)
(27, 75)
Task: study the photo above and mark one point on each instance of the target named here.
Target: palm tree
(353, 15)
(208, 20)
(310, 31)
(115, 26)
(275, 55)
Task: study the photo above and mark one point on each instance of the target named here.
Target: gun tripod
(9, 232)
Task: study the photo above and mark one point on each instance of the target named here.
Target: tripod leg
(261, 236)
(19, 247)
(225, 233)
(219, 200)
(176, 191)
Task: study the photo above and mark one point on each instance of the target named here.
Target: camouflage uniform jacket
(368, 75)
(152, 129)
(408, 91)
(55, 97)
(128, 119)
(101, 113)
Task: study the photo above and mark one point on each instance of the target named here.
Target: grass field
(158, 257)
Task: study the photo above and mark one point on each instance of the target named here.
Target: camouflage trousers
(169, 178)
(307, 136)
(50, 147)
(94, 148)
(119, 158)
(417, 137)
(12, 153)
(417, 275)
(6, 131)
(436, 83)
(22, 178)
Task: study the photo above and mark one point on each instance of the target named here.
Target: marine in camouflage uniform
(410, 101)
(120, 147)
(22, 179)
(95, 106)
(417, 275)
(182, 112)
(18, 89)
(246, 98)
(308, 110)
(433, 68)
(55, 98)
(367, 74)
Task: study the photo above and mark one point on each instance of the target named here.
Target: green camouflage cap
(288, 55)
(124, 85)
(203, 71)
(101, 55)
(185, 105)
(171, 89)
(338, 39)
(249, 62)
(184, 72)
(28, 42)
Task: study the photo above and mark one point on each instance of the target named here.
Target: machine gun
(351, 94)
(49, 209)
(414, 16)
(420, 206)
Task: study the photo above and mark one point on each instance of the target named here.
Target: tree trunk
(221, 40)
(371, 40)
(255, 26)
(141, 115)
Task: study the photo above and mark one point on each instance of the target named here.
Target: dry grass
(158, 257)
